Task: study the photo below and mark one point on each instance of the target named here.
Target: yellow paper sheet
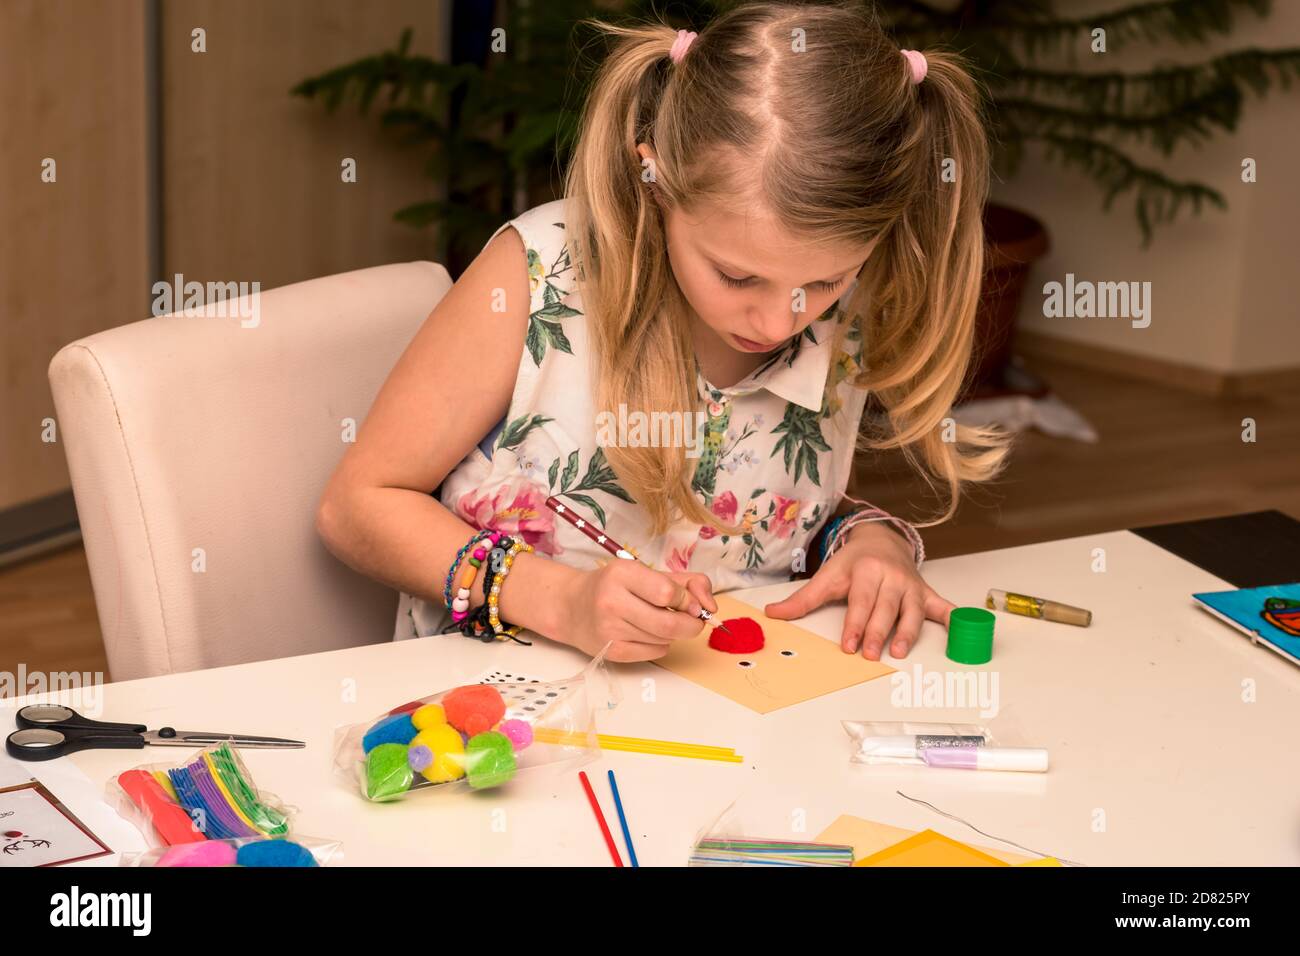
(929, 848)
(794, 665)
(868, 838)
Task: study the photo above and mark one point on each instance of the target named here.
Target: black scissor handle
(45, 743)
(37, 716)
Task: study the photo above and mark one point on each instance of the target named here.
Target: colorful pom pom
(205, 853)
(419, 757)
(387, 772)
(407, 708)
(475, 708)
(275, 853)
(519, 732)
(746, 636)
(489, 760)
(430, 715)
(393, 729)
(447, 750)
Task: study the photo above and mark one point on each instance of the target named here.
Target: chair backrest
(198, 448)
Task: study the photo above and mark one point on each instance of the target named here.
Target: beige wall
(1223, 284)
(251, 186)
(73, 253)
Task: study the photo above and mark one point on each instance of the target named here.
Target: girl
(762, 224)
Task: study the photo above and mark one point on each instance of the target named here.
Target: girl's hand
(626, 602)
(876, 572)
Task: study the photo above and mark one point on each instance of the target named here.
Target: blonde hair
(842, 147)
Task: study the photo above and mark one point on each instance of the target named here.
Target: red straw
(600, 818)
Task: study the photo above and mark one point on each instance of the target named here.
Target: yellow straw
(665, 748)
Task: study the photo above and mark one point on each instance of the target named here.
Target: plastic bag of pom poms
(209, 797)
(297, 851)
(476, 736)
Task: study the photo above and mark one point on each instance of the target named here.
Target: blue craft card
(1272, 614)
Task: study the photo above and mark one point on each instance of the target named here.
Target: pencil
(600, 818)
(622, 820)
(608, 543)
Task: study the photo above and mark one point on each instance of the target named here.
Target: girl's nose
(775, 323)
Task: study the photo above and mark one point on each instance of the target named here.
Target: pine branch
(1189, 121)
(1159, 90)
(1158, 198)
(1035, 27)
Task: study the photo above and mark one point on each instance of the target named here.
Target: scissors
(46, 731)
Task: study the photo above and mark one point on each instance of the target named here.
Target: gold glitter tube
(1027, 606)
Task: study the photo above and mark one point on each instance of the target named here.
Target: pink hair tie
(917, 62)
(681, 45)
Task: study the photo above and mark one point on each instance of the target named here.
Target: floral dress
(774, 450)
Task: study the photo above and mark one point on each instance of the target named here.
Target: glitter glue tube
(913, 745)
(1028, 606)
(1027, 759)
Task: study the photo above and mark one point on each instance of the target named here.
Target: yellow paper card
(868, 837)
(1045, 861)
(794, 665)
(929, 848)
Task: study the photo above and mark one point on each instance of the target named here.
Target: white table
(1156, 758)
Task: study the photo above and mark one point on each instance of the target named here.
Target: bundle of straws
(744, 852)
(214, 788)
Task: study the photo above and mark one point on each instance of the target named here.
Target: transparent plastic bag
(209, 796)
(300, 851)
(476, 736)
(941, 745)
(732, 840)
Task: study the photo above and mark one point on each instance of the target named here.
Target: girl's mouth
(749, 345)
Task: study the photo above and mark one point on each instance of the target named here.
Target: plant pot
(1013, 240)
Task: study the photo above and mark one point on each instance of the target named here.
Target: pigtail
(639, 328)
(926, 278)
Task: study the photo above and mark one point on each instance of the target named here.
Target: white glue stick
(1027, 759)
(913, 745)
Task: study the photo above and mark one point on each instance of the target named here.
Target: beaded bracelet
(494, 618)
(459, 606)
(837, 532)
(481, 628)
(482, 622)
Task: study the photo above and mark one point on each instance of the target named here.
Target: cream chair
(199, 447)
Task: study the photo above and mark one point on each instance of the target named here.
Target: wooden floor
(1164, 455)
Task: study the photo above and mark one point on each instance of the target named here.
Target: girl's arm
(451, 385)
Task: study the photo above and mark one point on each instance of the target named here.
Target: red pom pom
(474, 708)
(410, 708)
(746, 636)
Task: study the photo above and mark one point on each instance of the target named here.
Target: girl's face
(741, 275)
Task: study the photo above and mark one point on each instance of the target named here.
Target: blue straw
(622, 820)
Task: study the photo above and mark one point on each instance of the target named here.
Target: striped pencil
(608, 543)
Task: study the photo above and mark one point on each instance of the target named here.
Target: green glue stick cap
(970, 635)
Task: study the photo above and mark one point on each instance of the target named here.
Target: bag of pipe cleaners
(298, 851)
(476, 736)
(208, 797)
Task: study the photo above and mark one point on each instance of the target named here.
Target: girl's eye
(741, 283)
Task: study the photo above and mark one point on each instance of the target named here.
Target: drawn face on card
(794, 665)
(37, 830)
